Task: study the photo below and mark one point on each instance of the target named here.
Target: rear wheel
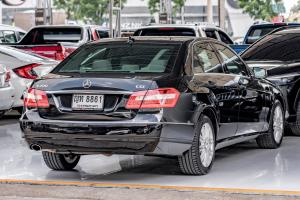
(199, 158)
(273, 138)
(60, 161)
(295, 127)
(2, 113)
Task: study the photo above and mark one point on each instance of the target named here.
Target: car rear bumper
(146, 134)
(6, 98)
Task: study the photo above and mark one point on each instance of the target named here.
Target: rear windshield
(275, 47)
(257, 32)
(121, 58)
(52, 35)
(165, 32)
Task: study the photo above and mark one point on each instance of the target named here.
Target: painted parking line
(145, 186)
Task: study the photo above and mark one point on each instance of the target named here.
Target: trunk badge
(87, 84)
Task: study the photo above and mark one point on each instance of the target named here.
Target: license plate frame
(81, 104)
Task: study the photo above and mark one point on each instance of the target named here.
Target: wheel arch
(210, 112)
(295, 95)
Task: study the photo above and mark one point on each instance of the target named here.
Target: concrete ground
(239, 172)
(44, 192)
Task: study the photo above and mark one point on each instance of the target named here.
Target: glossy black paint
(281, 62)
(231, 101)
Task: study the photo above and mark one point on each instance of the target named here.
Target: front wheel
(60, 161)
(199, 158)
(295, 127)
(273, 138)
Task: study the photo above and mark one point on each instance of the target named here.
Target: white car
(6, 91)
(24, 67)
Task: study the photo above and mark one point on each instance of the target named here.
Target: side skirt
(236, 139)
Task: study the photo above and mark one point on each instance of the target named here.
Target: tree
(153, 5)
(85, 10)
(262, 9)
(296, 8)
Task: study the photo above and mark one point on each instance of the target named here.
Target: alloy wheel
(278, 124)
(206, 145)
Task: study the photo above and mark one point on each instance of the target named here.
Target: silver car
(6, 91)
(24, 67)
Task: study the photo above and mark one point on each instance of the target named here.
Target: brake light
(27, 71)
(60, 53)
(36, 99)
(158, 98)
(7, 76)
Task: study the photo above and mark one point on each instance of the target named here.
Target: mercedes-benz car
(277, 58)
(180, 97)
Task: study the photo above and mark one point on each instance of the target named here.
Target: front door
(252, 113)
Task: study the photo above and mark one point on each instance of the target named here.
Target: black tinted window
(165, 32)
(125, 58)
(103, 34)
(233, 63)
(225, 38)
(281, 47)
(257, 32)
(205, 59)
(211, 34)
(52, 35)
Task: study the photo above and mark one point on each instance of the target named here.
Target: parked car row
(257, 31)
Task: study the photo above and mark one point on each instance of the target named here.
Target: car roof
(289, 30)
(268, 24)
(8, 27)
(194, 26)
(66, 26)
(171, 39)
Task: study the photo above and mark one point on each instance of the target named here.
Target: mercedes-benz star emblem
(87, 84)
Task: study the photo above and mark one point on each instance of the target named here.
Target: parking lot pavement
(243, 166)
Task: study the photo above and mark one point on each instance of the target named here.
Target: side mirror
(259, 72)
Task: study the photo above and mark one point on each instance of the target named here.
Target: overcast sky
(289, 4)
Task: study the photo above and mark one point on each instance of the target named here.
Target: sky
(289, 4)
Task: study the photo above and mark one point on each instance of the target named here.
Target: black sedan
(277, 58)
(175, 96)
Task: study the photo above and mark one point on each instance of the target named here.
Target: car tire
(2, 113)
(19, 109)
(195, 161)
(57, 161)
(295, 127)
(273, 138)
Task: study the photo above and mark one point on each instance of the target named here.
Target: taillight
(36, 99)
(158, 98)
(60, 53)
(27, 71)
(7, 76)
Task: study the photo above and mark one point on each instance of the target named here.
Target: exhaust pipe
(35, 147)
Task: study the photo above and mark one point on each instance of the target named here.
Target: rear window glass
(276, 47)
(122, 58)
(165, 32)
(52, 35)
(258, 32)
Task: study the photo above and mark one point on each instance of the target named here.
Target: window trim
(214, 50)
(249, 74)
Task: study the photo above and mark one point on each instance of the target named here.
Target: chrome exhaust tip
(35, 147)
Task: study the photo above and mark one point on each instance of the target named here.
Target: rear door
(252, 112)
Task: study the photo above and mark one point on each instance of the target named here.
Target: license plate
(87, 102)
